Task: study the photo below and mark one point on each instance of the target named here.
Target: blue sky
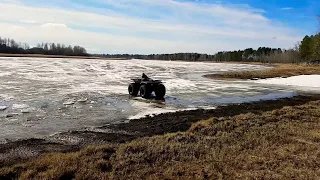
(302, 13)
(160, 26)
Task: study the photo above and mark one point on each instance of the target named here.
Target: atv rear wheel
(145, 91)
(160, 91)
(133, 89)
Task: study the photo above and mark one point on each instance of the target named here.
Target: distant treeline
(176, 56)
(10, 46)
(305, 51)
(262, 54)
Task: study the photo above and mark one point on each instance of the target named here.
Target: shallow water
(40, 97)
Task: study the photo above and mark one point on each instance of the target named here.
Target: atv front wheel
(145, 91)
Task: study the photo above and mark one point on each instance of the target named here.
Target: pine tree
(316, 47)
(306, 48)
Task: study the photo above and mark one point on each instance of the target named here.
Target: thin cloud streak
(287, 8)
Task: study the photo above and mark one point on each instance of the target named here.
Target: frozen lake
(40, 97)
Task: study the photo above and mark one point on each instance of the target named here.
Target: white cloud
(177, 27)
(54, 25)
(28, 21)
(287, 8)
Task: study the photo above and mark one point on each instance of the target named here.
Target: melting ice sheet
(42, 96)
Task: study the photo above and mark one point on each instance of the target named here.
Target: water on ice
(42, 96)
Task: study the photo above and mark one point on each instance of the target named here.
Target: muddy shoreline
(22, 150)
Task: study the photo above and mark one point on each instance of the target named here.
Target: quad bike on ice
(145, 86)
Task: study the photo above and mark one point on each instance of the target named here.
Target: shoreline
(278, 70)
(24, 150)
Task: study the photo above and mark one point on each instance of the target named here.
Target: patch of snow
(2, 108)
(69, 102)
(207, 107)
(27, 110)
(151, 113)
(83, 100)
(266, 97)
(19, 106)
(307, 81)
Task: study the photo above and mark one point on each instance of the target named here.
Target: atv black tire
(133, 89)
(145, 91)
(160, 91)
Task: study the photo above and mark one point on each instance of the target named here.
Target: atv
(145, 86)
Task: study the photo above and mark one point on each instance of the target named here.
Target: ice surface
(45, 96)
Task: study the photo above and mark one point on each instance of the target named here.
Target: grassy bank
(264, 142)
(281, 70)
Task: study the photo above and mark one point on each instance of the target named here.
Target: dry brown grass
(89, 163)
(277, 144)
(281, 70)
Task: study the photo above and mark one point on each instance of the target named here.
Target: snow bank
(306, 81)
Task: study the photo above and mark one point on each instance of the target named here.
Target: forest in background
(10, 46)
(305, 51)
